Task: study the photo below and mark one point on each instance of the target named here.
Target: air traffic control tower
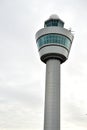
(54, 43)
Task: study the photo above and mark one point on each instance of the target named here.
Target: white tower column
(52, 95)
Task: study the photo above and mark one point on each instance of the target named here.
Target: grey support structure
(52, 95)
(54, 43)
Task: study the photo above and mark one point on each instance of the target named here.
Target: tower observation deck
(54, 43)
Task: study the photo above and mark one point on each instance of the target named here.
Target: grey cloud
(25, 94)
(76, 115)
(16, 116)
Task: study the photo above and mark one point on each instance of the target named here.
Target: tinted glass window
(54, 22)
(53, 39)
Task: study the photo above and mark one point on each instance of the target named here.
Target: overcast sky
(22, 74)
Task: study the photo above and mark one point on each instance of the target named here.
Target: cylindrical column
(52, 95)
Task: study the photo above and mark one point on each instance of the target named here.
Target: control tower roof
(53, 20)
(54, 16)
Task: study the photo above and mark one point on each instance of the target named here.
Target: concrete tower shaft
(52, 95)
